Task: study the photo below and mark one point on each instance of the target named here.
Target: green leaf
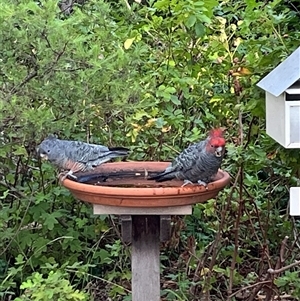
(175, 100)
(50, 219)
(191, 21)
(5, 194)
(104, 256)
(20, 151)
(200, 29)
(203, 18)
(128, 43)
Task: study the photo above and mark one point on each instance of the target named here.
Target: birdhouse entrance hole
(293, 93)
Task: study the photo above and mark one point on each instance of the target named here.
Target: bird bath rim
(166, 194)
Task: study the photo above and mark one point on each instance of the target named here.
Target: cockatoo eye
(48, 151)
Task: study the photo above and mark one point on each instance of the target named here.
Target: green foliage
(153, 76)
(289, 282)
(54, 287)
(39, 289)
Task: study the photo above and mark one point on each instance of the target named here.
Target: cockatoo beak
(44, 157)
(219, 151)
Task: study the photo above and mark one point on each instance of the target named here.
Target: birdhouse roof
(283, 76)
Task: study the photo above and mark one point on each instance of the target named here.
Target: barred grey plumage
(198, 163)
(77, 156)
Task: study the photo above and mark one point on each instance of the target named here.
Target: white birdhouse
(282, 86)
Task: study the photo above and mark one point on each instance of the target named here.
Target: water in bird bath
(125, 179)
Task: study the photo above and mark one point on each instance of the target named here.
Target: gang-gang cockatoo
(198, 163)
(75, 156)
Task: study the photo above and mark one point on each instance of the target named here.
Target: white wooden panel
(293, 91)
(293, 145)
(275, 117)
(178, 210)
(295, 201)
(293, 124)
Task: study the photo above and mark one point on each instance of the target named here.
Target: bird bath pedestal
(145, 209)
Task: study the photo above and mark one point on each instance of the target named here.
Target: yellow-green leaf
(128, 43)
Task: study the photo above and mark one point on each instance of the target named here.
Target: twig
(295, 8)
(281, 297)
(19, 228)
(57, 58)
(249, 133)
(271, 272)
(259, 221)
(258, 288)
(200, 265)
(116, 229)
(18, 193)
(280, 260)
(168, 146)
(66, 8)
(238, 92)
(127, 4)
(223, 216)
(44, 35)
(296, 236)
(99, 278)
(25, 81)
(274, 272)
(250, 286)
(236, 233)
(282, 248)
(222, 223)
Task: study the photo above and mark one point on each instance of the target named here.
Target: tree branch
(27, 79)
(287, 267)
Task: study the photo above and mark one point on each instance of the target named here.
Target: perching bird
(75, 156)
(198, 163)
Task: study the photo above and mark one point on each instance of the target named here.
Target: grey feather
(59, 152)
(194, 165)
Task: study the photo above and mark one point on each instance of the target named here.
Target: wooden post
(145, 264)
(126, 221)
(144, 228)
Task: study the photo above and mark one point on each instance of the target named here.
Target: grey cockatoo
(75, 156)
(198, 163)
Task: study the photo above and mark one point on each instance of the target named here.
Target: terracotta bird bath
(145, 208)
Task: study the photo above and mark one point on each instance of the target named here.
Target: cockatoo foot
(202, 183)
(63, 175)
(186, 182)
(71, 176)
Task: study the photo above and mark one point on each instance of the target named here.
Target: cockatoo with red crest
(198, 163)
